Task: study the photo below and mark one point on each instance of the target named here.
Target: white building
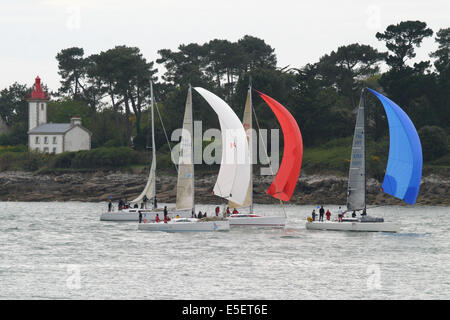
(53, 137)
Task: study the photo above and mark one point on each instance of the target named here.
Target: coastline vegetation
(109, 90)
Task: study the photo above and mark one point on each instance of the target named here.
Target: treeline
(19, 158)
(110, 90)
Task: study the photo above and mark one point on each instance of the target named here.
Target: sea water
(60, 250)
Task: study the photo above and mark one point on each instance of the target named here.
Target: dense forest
(110, 91)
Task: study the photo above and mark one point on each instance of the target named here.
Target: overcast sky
(34, 31)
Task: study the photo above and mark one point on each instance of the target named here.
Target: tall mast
(364, 95)
(192, 148)
(153, 145)
(250, 144)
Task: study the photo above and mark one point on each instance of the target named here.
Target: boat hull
(354, 226)
(147, 215)
(194, 226)
(257, 221)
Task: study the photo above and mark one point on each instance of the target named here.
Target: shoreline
(98, 186)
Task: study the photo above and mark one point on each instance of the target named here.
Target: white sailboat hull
(193, 225)
(354, 226)
(147, 215)
(257, 221)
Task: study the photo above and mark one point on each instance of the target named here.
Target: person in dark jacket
(313, 215)
(321, 213)
(145, 199)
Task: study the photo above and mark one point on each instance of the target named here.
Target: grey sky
(34, 31)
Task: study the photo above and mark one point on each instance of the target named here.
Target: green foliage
(63, 160)
(442, 161)
(401, 40)
(332, 156)
(28, 161)
(434, 142)
(109, 90)
(17, 135)
(14, 148)
(13, 104)
(105, 158)
(62, 111)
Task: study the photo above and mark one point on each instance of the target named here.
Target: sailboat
(403, 171)
(149, 192)
(287, 177)
(185, 186)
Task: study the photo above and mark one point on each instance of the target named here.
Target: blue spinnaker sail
(404, 167)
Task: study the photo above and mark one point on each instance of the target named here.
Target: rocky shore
(98, 186)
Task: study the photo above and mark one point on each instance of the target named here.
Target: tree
(434, 142)
(401, 39)
(257, 54)
(347, 67)
(126, 75)
(442, 55)
(185, 66)
(442, 65)
(72, 69)
(13, 104)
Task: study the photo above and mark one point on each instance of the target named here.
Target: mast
(364, 95)
(250, 144)
(356, 193)
(192, 148)
(153, 146)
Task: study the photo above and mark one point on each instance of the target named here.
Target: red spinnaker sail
(284, 184)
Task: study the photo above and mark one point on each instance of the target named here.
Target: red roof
(37, 93)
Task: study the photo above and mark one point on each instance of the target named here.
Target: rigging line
(270, 162)
(165, 133)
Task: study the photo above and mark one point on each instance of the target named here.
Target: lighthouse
(37, 105)
(52, 137)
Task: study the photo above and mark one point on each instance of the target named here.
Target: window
(54, 140)
(42, 106)
(45, 140)
(46, 149)
(37, 149)
(54, 150)
(37, 140)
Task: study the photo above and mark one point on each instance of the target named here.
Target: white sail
(356, 194)
(150, 188)
(247, 123)
(185, 184)
(234, 173)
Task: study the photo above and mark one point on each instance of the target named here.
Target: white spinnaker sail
(185, 183)
(234, 173)
(150, 188)
(247, 123)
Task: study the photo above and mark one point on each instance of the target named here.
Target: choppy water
(62, 251)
